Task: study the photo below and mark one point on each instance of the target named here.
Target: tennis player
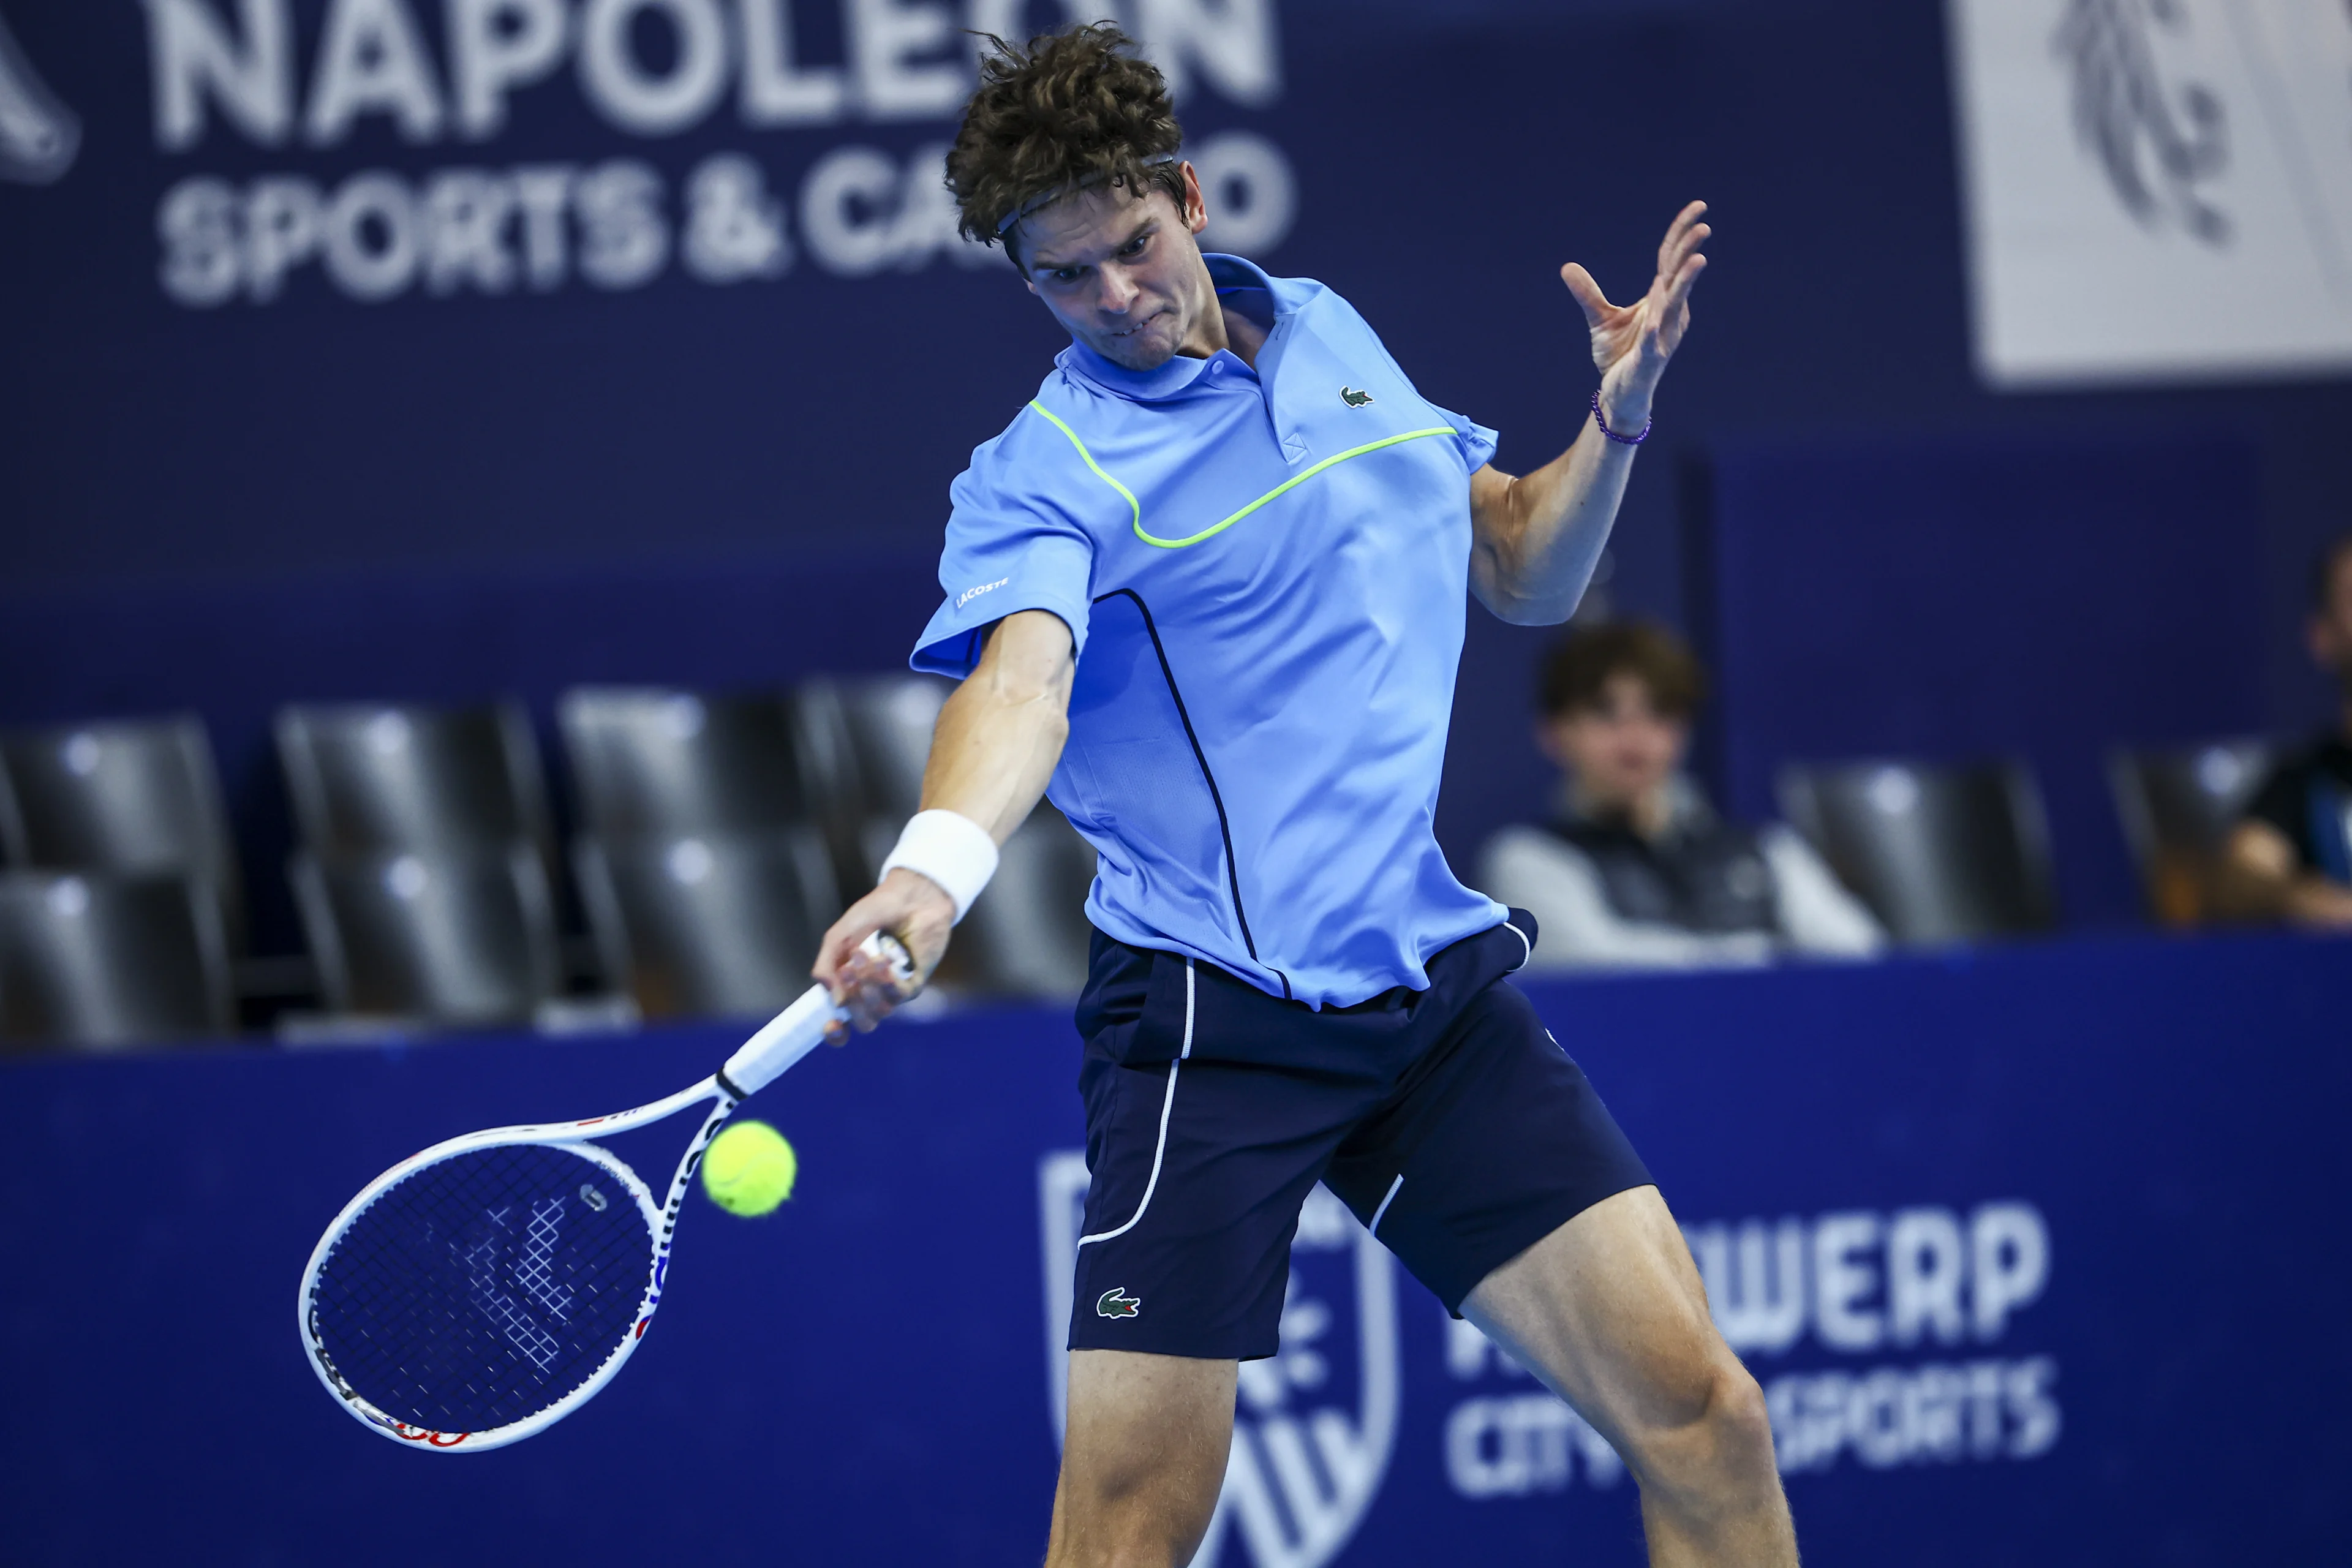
(1207, 592)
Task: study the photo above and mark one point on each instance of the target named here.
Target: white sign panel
(2156, 190)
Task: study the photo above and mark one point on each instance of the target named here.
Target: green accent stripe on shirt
(1217, 528)
(1133, 505)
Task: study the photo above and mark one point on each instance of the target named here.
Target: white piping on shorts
(1516, 931)
(1167, 1106)
(1381, 1213)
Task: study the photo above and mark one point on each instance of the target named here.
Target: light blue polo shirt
(1265, 573)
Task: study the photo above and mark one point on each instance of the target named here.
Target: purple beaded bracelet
(1602, 420)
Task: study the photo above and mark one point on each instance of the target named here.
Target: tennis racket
(481, 1290)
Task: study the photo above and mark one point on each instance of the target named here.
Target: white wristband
(949, 848)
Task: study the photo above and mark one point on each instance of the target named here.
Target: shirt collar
(1227, 273)
(1231, 272)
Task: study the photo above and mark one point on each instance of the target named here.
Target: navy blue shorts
(1447, 1119)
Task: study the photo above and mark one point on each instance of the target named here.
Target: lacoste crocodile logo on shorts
(1116, 1302)
(1352, 398)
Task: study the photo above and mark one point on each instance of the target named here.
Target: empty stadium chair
(704, 924)
(660, 764)
(1940, 854)
(130, 795)
(1026, 934)
(868, 740)
(865, 741)
(2177, 807)
(451, 938)
(373, 778)
(99, 959)
(890, 719)
(836, 789)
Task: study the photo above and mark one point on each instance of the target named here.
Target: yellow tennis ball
(748, 1169)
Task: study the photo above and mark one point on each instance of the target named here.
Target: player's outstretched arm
(1537, 537)
(999, 736)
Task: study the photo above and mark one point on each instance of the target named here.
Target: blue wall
(864, 1377)
(1447, 158)
(2021, 597)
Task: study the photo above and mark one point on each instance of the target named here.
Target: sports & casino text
(467, 73)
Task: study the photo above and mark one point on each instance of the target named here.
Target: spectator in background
(1637, 870)
(2291, 858)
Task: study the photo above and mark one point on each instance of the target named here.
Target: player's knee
(1123, 1515)
(1742, 1428)
(1133, 1499)
(1709, 1434)
(1136, 1483)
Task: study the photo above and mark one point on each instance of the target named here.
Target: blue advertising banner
(389, 279)
(2036, 1253)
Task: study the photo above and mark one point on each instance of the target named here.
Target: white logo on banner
(2156, 188)
(1866, 1283)
(1312, 1438)
(38, 135)
(1862, 1284)
(1918, 1297)
(466, 71)
(1515, 1445)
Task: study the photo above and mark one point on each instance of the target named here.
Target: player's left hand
(1631, 344)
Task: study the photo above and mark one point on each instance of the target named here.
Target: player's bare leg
(1609, 1310)
(1143, 1460)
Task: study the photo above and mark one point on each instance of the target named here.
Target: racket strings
(480, 1290)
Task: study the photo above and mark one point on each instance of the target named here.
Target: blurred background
(473, 474)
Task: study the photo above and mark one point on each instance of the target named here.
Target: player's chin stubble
(1146, 349)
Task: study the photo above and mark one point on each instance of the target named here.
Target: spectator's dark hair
(1072, 110)
(1581, 665)
(2330, 562)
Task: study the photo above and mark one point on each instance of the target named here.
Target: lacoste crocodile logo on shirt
(1352, 398)
(1116, 1302)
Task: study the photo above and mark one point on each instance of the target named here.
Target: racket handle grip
(781, 1041)
(800, 1028)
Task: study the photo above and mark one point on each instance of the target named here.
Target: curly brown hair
(1581, 664)
(1072, 110)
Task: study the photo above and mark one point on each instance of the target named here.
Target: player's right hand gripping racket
(484, 1289)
